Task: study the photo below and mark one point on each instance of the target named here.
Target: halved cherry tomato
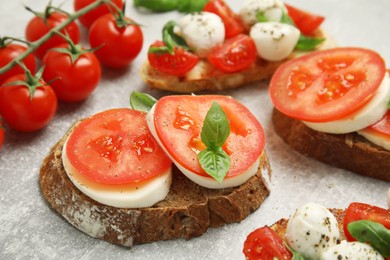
(116, 147)
(88, 19)
(382, 127)
(306, 22)
(327, 85)
(178, 123)
(361, 211)
(232, 22)
(265, 244)
(236, 54)
(1, 134)
(178, 64)
(37, 28)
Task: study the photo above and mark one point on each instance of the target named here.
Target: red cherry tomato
(361, 211)
(75, 81)
(327, 85)
(88, 19)
(178, 64)
(116, 147)
(265, 244)
(23, 113)
(10, 52)
(232, 22)
(1, 134)
(381, 128)
(306, 22)
(236, 54)
(37, 28)
(119, 45)
(178, 124)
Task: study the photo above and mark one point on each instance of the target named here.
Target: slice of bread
(348, 151)
(187, 211)
(204, 76)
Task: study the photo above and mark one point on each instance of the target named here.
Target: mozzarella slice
(202, 31)
(272, 10)
(311, 230)
(136, 195)
(207, 182)
(372, 112)
(351, 250)
(274, 41)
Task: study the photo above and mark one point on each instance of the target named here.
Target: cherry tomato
(236, 54)
(10, 52)
(1, 134)
(88, 19)
(327, 85)
(178, 64)
(23, 113)
(116, 147)
(306, 22)
(37, 28)
(265, 244)
(232, 22)
(179, 120)
(119, 45)
(361, 211)
(75, 81)
(381, 128)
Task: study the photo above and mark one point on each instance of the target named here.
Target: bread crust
(187, 211)
(348, 151)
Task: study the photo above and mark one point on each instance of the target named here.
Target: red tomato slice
(306, 22)
(232, 22)
(179, 120)
(178, 64)
(116, 147)
(381, 128)
(361, 211)
(236, 54)
(327, 85)
(265, 244)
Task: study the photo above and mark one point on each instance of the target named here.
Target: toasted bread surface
(348, 151)
(187, 211)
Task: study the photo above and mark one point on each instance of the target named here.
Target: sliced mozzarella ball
(351, 250)
(377, 139)
(311, 230)
(207, 182)
(272, 10)
(369, 114)
(135, 195)
(202, 31)
(274, 41)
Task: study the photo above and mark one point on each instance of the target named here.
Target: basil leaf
(215, 162)
(308, 43)
(371, 232)
(190, 6)
(261, 17)
(296, 255)
(287, 19)
(158, 50)
(141, 101)
(157, 5)
(171, 39)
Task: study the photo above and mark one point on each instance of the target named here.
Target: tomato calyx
(5, 41)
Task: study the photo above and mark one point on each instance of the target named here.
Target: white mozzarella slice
(376, 139)
(311, 230)
(202, 31)
(136, 195)
(274, 41)
(351, 250)
(272, 10)
(372, 112)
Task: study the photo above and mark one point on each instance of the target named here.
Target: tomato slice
(327, 85)
(361, 211)
(178, 64)
(381, 128)
(236, 54)
(306, 22)
(116, 147)
(232, 22)
(264, 243)
(179, 120)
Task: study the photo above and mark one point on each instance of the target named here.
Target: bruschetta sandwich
(219, 49)
(333, 105)
(111, 175)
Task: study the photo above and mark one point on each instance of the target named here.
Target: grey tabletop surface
(29, 229)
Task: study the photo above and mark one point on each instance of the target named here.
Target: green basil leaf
(287, 19)
(215, 162)
(308, 43)
(215, 128)
(296, 255)
(190, 6)
(171, 39)
(158, 50)
(141, 101)
(377, 235)
(261, 17)
(388, 105)
(157, 5)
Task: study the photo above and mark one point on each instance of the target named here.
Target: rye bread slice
(347, 151)
(187, 211)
